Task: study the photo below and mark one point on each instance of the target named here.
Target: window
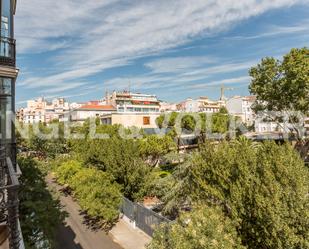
(6, 108)
(6, 16)
(146, 120)
(5, 86)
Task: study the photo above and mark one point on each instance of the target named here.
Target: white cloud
(230, 81)
(224, 68)
(275, 31)
(96, 35)
(63, 88)
(178, 64)
(177, 79)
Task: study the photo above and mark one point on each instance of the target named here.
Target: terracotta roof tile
(98, 107)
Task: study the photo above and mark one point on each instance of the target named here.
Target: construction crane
(222, 89)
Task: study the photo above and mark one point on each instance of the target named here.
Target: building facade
(139, 120)
(242, 107)
(132, 109)
(202, 104)
(10, 233)
(42, 111)
(128, 102)
(168, 107)
(85, 112)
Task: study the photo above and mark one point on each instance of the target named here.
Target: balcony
(10, 232)
(7, 52)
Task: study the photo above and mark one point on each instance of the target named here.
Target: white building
(242, 107)
(202, 104)
(40, 110)
(133, 102)
(168, 107)
(132, 109)
(127, 119)
(34, 112)
(55, 109)
(88, 111)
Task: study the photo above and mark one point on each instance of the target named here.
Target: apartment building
(56, 108)
(87, 111)
(127, 102)
(202, 104)
(241, 107)
(132, 109)
(10, 233)
(168, 107)
(42, 111)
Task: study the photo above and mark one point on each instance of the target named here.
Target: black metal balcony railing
(9, 201)
(7, 51)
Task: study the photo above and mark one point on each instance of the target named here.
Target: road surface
(76, 235)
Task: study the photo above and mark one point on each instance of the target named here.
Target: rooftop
(98, 107)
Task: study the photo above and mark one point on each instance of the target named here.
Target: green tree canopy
(153, 147)
(282, 85)
(219, 121)
(262, 188)
(97, 192)
(204, 227)
(121, 159)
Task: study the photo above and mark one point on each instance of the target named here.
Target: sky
(175, 49)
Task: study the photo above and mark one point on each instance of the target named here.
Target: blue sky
(172, 48)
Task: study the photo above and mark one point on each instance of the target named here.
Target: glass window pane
(5, 116)
(5, 86)
(6, 18)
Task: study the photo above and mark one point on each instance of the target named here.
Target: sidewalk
(128, 237)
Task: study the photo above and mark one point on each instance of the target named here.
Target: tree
(96, 191)
(98, 195)
(121, 159)
(153, 147)
(67, 170)
(204, 227)
(283, 86)
(40, 212)
(263, 188)
(219, 121)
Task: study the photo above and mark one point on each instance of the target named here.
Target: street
(76, 235)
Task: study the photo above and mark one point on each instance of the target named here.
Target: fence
(145, 219)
